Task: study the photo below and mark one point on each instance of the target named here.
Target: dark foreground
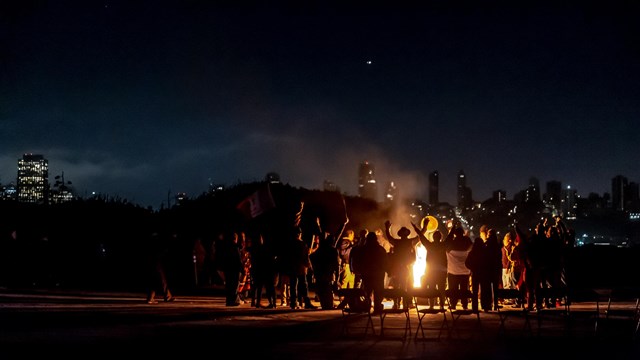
(71, 322)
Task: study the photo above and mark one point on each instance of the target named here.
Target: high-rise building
(33, 179)
(553, 196)
(569, 202)
(632, 197)
(433, 188)
(464, 192)
(618, 192)
(462, 183)
(533, 190)
(499, 196)
(367, 187)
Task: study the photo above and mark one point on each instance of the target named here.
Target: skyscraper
(569, 196)
(533, 190)
(367, 187)
(433, 188)
(632, 197)
(553, 196)
(33, 179)
(618, 190)
(464, 193)
(499, 196)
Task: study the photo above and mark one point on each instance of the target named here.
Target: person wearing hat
(402, 258)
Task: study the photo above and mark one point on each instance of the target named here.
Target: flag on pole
(257, 203)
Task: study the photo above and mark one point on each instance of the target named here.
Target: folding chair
(421, 297)
(457, 314)
(520, 311)
(396, 294)
(580, 317)
(357, 306)
(623, 310)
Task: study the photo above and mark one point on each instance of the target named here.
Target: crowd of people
(378, 259)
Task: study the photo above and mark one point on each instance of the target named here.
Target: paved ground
(64, 322)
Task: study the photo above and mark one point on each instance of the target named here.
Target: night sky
(139, 99)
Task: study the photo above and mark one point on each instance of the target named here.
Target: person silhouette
(158, 247)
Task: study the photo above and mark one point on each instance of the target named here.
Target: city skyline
(138, 100)
(37, 169)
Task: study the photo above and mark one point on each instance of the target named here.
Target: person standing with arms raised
(458, 246)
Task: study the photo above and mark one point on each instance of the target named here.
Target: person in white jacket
(458, 246)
